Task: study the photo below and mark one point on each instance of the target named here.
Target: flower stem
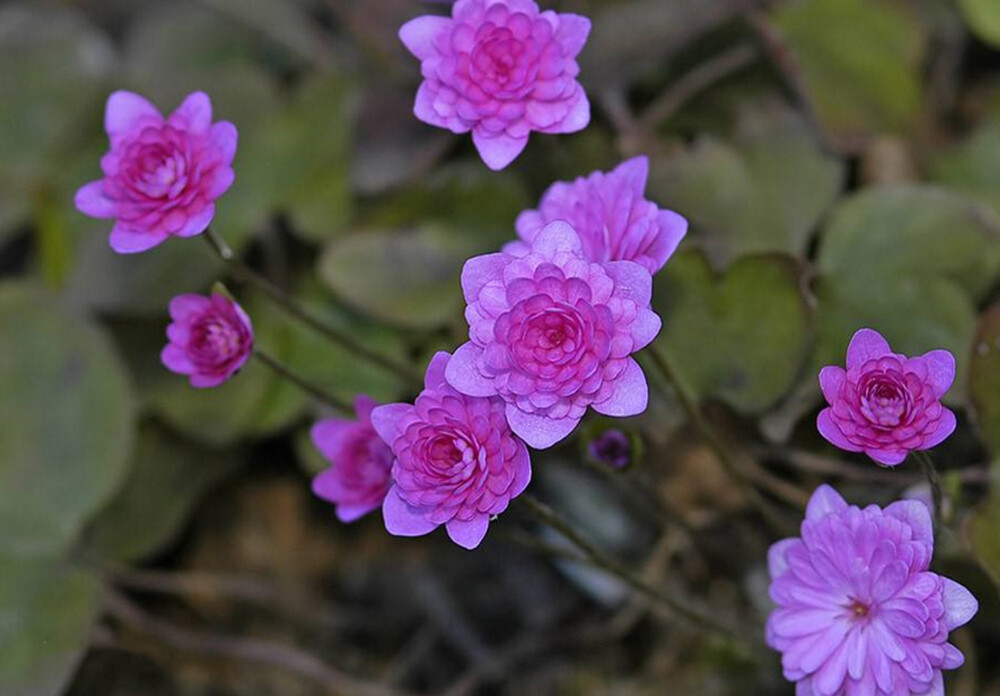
(300, 312)
(934, 479)
(596, 557)
(305, 385)
(722, 452)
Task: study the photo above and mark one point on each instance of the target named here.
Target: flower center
(884, 401)
(858, 610)
(215, 341)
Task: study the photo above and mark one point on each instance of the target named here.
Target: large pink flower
(457, 463)
(552, 332)
(859, 612)
(610, 213)
(501, 69)
(359, 478)
(210, 339)
(162, 176)
(886, 404)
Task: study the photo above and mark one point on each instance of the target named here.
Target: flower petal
(468, 534)
(124, 110)
(194, 114)
(401, 519)
(385, 420)
(436, 370)
(946, 426)
(463, 373)
(867, 344)
(557, 237)
(498, 150)
(418, 34)
(831, 378)
(630, 396)
(828, 429)
(824, 501)
(125, 240)
(539, 431)
(90, 200)
(940, 370)
(631, 279)
(959, 604)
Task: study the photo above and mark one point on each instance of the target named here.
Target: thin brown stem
(693, 83)
(248, 650)
(721, 451)
(685, 608)
(934, 479)
(302, 383)
(299, 311)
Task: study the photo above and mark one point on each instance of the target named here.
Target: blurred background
(839, 161)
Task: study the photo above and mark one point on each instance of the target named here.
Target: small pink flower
(210, 339)
(359, 478)
(885, 404)
(456, 461)
(609, 212)
(501, 69)
(858, 610)
(552, 333)
(162, 176)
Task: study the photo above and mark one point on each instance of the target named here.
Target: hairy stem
(299, 311)
(599, 559)
(304, 384)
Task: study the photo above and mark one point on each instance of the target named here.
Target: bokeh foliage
(846, 175)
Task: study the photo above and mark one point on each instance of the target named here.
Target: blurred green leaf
(740, 337)
(909, 261)
(406, 277)
(256, 402)
(764, 194)
(167, 480)
(861, 61)
(983, 17)
(46, 612)
(300, 160)
(984, 382)
(981, 535)
(66, 421)
(974, 166)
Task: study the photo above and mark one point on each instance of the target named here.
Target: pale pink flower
(500, 69)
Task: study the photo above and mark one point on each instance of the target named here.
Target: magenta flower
(162, 176)
(456, 461)
(858, 611)
(501, 69)
(210, 339)
(552, 333)
(615, 222)
(359, 478)
(885, 404)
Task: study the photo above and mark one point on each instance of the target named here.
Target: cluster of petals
(361, 462)
(612, 216)
(210, 338)
(161, 176)
(859, 613)
(457, 463)
(500, 69)
(552, 333)
(886, 404)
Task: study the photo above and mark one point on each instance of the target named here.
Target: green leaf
(909, 261)
(764, 193)
(861, 60)
(984, 381)
(983, 17)
(974, 166)
(300, 161)
(740, 337)
(66, 421)
(46, 612)
(168, 478)
(406, 277)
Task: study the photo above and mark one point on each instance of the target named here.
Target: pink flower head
(615, 222)
(210, 339)
(456, 461)
(501, 69)
(858, 612)
(359, 478)
(552, 332)
(161, 176)
(885, 404)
